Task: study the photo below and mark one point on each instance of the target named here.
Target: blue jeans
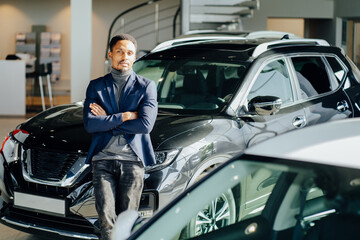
(117, 187)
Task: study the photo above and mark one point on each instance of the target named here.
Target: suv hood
(61, 129)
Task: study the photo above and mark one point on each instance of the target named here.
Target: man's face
(123, 55)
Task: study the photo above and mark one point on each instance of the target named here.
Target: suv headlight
(10, 146)
(163, 159)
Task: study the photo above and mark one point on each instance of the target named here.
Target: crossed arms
(97, 119)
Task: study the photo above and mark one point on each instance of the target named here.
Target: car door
(321, 88)
(272, 78)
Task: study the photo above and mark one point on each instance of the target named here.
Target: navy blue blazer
(139, 95)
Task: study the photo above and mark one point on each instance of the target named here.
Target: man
(120, 111)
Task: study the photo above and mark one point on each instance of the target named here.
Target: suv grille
(51, 166)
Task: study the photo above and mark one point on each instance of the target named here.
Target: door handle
(342, 106)
(299, 121)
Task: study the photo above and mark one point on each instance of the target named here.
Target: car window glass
(273, 80)
(312, 76)
(246, 199)
(192, 85)
(338, 70)
(150, 69)
(239, 193)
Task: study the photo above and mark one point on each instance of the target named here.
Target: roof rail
(268, 45)
(186, 40)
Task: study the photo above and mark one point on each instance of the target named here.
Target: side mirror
(264, 105)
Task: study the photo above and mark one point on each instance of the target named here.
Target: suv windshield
(193, 82)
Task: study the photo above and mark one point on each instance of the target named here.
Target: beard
(122, 69)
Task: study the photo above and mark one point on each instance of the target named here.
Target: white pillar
(81, 48)
(338, 32)
(185, 16)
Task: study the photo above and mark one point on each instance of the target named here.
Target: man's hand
(97, 110)
(129, 116)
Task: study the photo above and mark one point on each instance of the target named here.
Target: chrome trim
(16, 151)
(47, 229)
(69, 179)
(85, 204)
(319, 215)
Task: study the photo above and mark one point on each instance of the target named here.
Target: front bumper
(80, 220)
(36, 223)
(33, 228)
(73, 225)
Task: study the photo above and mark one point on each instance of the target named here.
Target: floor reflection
(12, 234)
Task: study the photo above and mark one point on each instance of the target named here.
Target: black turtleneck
(117, 148)
(120, 79)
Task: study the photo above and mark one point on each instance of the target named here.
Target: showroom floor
(6, 125)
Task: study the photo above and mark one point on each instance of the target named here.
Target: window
(246, 199)
(150, 69)
(337, 69)
(273, 80)
(192, 84)
(312, 75)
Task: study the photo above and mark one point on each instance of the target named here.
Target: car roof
(247, 34)
(260, 44)
(334, 143)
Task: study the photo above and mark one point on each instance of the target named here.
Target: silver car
(290, 189)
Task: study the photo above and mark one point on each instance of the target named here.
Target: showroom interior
(72, 36)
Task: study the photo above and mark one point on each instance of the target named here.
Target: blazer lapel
(109, 82)
(128, 86)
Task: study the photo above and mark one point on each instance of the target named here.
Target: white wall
(81, 48)
(20, 15)
(12, 86)
(347, 8)
(289, 9)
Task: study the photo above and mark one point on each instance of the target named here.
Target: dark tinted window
(312, 75)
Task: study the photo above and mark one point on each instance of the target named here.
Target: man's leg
(130, 186)
(104, 182)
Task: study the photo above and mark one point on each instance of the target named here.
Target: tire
(219, 213)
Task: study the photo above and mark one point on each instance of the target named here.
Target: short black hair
(122, 36)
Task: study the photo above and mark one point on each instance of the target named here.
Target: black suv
(216, 97)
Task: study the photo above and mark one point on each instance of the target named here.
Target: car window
(242, 194)
(273, 80)
(312, 76)
(262, 195)
(192, 84)
(337, 68)
(150, 69)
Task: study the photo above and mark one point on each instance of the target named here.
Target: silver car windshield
(192, 84)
